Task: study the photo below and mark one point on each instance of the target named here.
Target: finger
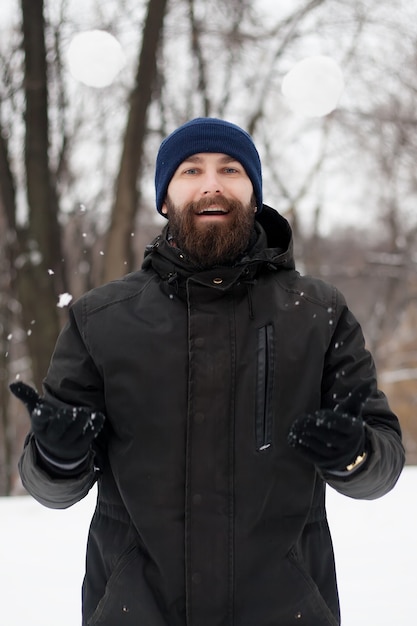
(320, 420)
(355, 401)
(300, 430)
(75, 424)
(324, 429)
(41, 416)
(26, 394)
(69, 422)
(337, 424)
(94, 424)
(61, 423)
(319, 444)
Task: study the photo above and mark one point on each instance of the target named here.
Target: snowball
(95, 58)
(313, 86)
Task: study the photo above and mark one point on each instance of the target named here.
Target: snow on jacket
(205, 516)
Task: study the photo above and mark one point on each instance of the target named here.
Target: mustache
(205, 203)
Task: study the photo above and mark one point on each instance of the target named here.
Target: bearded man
(212, 395)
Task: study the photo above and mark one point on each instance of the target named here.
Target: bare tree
(119, 257)
(7, 433)
(39, 260)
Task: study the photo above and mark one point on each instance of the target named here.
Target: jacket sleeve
(72, 379)
(348, 363)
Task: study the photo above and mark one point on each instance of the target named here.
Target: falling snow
(64, 300)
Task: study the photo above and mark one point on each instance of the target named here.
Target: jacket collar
(272, 249)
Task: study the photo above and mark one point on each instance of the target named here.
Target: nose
(211, 184)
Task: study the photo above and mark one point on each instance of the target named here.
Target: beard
(212, 244)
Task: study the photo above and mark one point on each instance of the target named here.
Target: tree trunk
(40, 267)
(118, 257)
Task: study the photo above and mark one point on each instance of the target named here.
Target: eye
(191, 170)
(231, 167)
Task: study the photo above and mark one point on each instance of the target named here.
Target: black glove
(332, 440)
(64, 434)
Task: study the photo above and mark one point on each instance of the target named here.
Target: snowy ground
(42, 558)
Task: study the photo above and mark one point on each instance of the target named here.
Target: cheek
(246, 189)
(180, 191)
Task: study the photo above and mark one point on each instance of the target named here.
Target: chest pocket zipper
(264, 387)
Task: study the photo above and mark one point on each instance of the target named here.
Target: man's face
(211, 208)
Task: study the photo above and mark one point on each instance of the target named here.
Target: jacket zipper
(264, 387)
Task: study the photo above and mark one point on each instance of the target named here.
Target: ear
(164, 209)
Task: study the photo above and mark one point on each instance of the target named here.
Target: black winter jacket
(205, 516)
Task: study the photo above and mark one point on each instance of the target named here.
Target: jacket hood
(276, 244)
(272, 249)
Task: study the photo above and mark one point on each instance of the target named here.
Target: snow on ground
(42, 558)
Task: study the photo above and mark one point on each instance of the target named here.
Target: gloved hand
(64, 434)
(332, 440)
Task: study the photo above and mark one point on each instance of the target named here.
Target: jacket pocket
(264, 387)
(128, 599)
(311, 607)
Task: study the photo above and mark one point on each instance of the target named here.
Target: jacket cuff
(58, 465)
(51, 489)
(354, 467)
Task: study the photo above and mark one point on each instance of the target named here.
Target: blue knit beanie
(206, 134)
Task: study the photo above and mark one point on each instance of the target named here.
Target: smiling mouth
(213, 211)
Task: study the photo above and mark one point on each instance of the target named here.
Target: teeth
(212, 210)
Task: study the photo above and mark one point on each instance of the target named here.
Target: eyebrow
(194, 158)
